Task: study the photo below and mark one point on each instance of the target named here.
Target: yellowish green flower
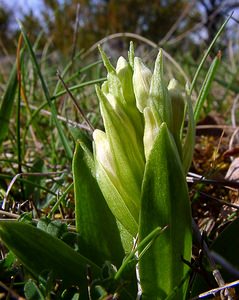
(134, 102)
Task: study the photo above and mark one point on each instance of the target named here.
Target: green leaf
(189, 140)
(32, 292)
(131, 260)
(7, 104)
(158, 95)
(7, 266)
(207, 53)
(94, 221)
(206, 87)
(39, 252)
(55, 227)
(126, 238)
(106, 61)
(165, 202)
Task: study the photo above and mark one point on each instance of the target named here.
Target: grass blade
(7, 104)
(207, 53)
(189, 141)
(47, 94)
(206, 86)
(142, 247)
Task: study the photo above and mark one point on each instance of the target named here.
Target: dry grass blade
(216, 290)
(75, 103)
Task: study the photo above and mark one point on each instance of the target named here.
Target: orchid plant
(140, 164)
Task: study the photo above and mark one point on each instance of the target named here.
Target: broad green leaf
(165, 202)
(7, 104)
(95, 223)
(39, 251)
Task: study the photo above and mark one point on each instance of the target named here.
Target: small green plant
(139, 162)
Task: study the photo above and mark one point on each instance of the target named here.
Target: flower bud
(122, 203)
(152, 125)
(158, 95)
(103, 154)
(178, 111)
(124, 73)
(141, 82)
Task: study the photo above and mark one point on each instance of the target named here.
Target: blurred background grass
(176, 25)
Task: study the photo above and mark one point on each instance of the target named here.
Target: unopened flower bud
(141, 81)
(152, 125)
(124, 73)
(178, 111)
